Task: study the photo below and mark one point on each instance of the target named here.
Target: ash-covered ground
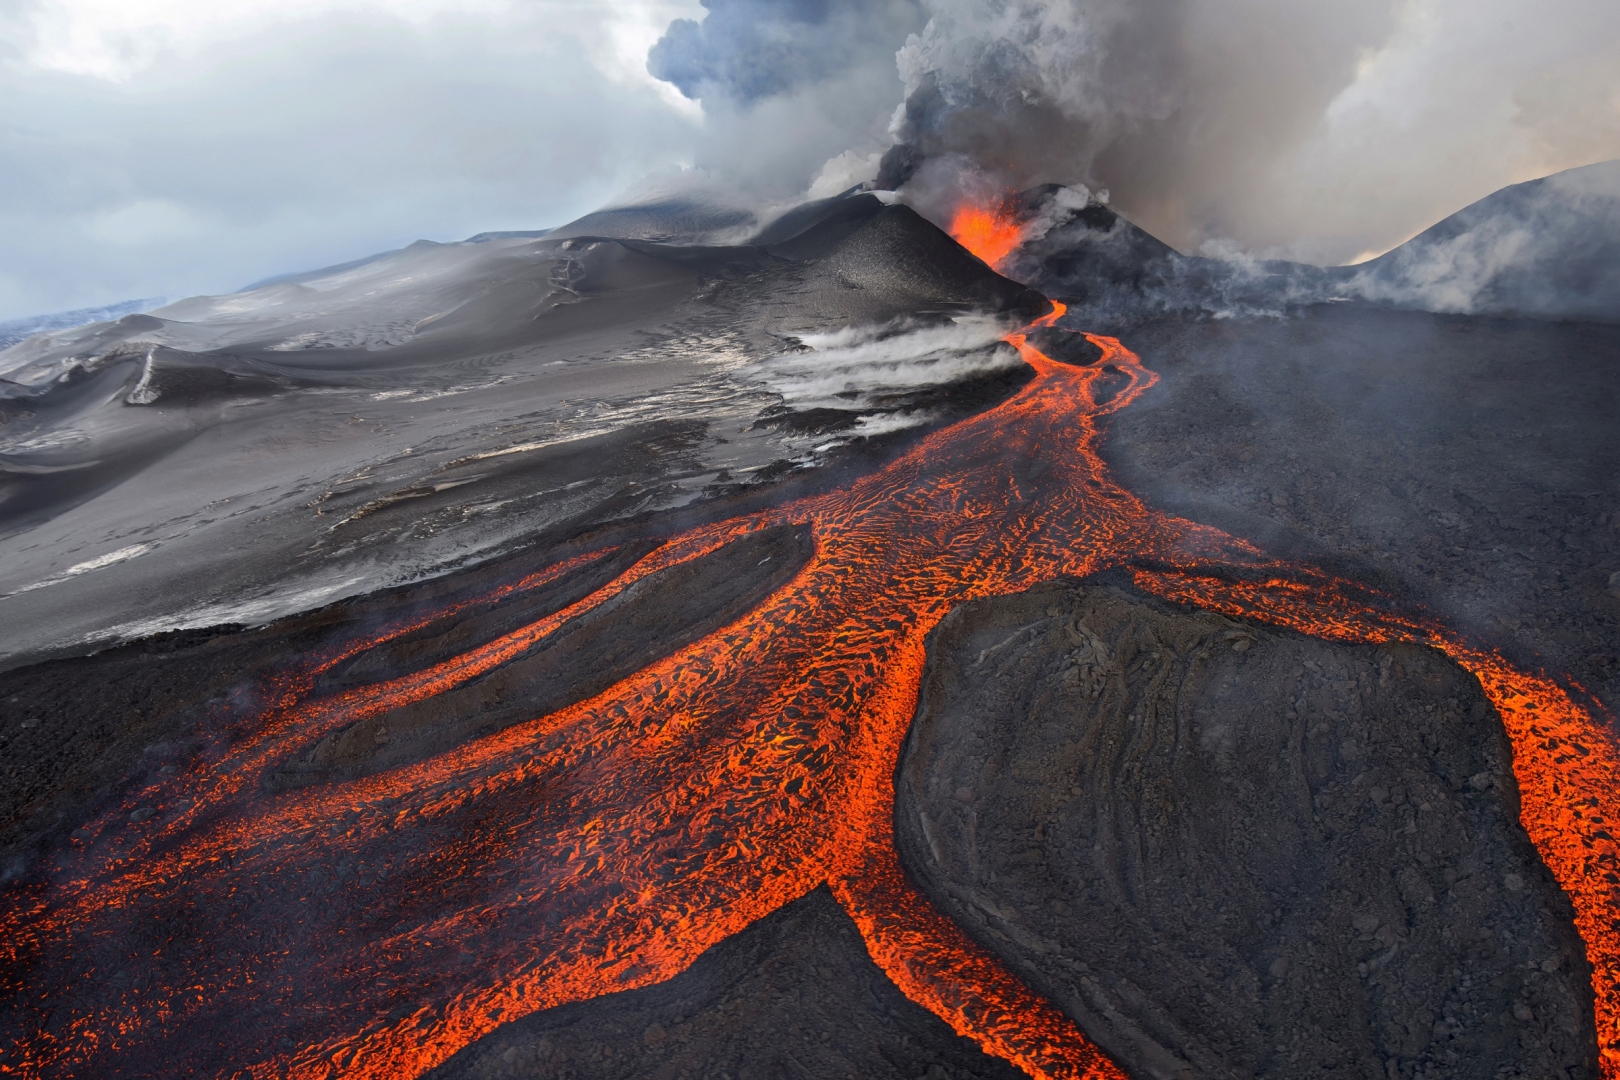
(235, 459)
(1327, 878)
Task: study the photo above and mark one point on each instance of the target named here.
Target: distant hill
(1548, 248)
(1545, 249)
(669, 221)
(15, 330)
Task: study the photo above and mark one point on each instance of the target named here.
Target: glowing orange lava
(375, 927)
(990, 234)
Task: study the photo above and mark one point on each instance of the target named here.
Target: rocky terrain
(1224, 850)
(1469, 464)
(1230, 851)
(585, 656)
(794, 995)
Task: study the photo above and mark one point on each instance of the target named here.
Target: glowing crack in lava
(376, 926)
(990, 234)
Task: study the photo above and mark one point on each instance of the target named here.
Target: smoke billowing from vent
(1174, 107)
(1286, 128)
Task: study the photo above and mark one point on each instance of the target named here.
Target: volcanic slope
(1233, 851)
(1546, 248)
(412, 412)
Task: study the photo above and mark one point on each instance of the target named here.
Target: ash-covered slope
(15, 330)
(1548, 248)
(234, 458)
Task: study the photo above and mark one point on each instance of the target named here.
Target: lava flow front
(374, 927)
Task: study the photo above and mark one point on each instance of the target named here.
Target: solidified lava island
(835, 709)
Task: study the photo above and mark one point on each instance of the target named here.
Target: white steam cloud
(856, 367)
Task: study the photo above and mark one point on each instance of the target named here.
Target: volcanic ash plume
(1178, 108)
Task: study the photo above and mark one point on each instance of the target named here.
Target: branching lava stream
(374, 927)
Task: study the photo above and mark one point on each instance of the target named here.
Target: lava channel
(374, 927)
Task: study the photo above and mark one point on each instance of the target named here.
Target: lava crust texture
(1234, 851)
(794, 995)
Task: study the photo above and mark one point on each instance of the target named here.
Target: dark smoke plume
(749, 50)
(1178, 107)
(1202, 122)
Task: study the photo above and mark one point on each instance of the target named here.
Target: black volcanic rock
(1093, 248)
(816, 225)
(858, 248)
(899, 253)
(1113, 272)
(794, 995)
(649, 620)
(1232, 851)
(1546, 249)
(1468, 464)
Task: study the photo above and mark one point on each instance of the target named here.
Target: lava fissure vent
(377, 925)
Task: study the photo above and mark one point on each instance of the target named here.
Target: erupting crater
(989, 232)
(375, 925)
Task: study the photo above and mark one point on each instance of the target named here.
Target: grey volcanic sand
(1231, 851)
(238, 458)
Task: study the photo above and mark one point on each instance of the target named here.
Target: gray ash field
(1217, 847)
(234, 459)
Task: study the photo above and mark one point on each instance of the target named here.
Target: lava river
(374, 927)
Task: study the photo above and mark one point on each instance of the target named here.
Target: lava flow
(374, 927)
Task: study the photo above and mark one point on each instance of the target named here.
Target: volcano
(628, 651)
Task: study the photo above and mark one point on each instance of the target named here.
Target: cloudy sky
(174, 147)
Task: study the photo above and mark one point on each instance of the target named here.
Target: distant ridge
(521, 234)
(1543, 249)
(326, 271)
(1547, 248)
(15, 330)
(669, 221)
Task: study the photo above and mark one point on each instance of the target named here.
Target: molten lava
(990, 234)
(374, 927)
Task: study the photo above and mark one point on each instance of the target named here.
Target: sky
(166, 148)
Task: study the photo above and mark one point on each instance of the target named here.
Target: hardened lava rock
(1232, 851)
(794, 995)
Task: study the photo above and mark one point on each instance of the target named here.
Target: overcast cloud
(172, 147)
(179, 147)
